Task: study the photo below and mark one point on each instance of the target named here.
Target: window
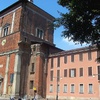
(72, 72)
(98, 68)
(89, 71)
(11, 77)
(32, 68)
(58, 62)
(65, 73)
(81, 72)
(51, 88)
(51, 76)
(58, 88)
(90, 88)
(31, 84)
(81, 56)
(51, 62)
(65, 88)
(72, 88)
(40, 33)
(65, 59)
(81, 88)
(72, 58)
(89, 55)
(6, 29)
(98, 55)
(58, 75)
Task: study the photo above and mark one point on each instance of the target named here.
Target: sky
(51, 7)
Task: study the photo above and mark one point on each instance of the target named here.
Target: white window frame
(81, 92)
(90, 90)
(41, 37)
(51, 88)
(72, 89)
(72, 72)
(65, 88)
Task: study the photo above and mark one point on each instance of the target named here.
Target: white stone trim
(11, 11)
(17, 68)
(13, 19)
(6, 75)
(9, 52)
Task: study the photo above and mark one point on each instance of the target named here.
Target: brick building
(26, 40)
(30, 61)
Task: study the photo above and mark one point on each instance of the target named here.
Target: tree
(82, 22)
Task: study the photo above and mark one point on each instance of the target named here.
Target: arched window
(5, 29)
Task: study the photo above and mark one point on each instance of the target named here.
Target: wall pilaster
(16, 81)
(6, 75)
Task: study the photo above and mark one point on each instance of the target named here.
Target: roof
(79, 50)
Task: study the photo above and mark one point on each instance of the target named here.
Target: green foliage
(82, 22)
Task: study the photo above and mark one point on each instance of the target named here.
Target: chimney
(30, 1)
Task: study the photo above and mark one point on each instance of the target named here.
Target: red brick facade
(26, 40)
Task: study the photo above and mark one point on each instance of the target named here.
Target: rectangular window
(5, 31)
(72, 72)
(89, 71)
(40, 33)
(58, 75)
(51, 88)
(90, 88)
(65, 59)
(81, 56)
(31, 84)
(58, 62)
(72, 88)
(51, 76)
(81, 88)
(32, 69)
(65, 88)
(11, 77)
(81, 72)
(98, 56)
(98, 68)
(51, 62)
(72, 58)
(89, 55)
(65, 73)
(58, 88)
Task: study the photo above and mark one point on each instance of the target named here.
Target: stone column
(6, 75)
(16, 81)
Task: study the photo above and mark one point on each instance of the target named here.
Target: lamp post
(57, 79)
(94, 75)
(57, 89)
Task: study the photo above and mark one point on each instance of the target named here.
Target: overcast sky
(52, 8)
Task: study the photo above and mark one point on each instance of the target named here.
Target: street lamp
(57, 79)
(94, 75)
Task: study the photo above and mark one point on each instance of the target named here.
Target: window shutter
(98, 72)
(74, 72)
